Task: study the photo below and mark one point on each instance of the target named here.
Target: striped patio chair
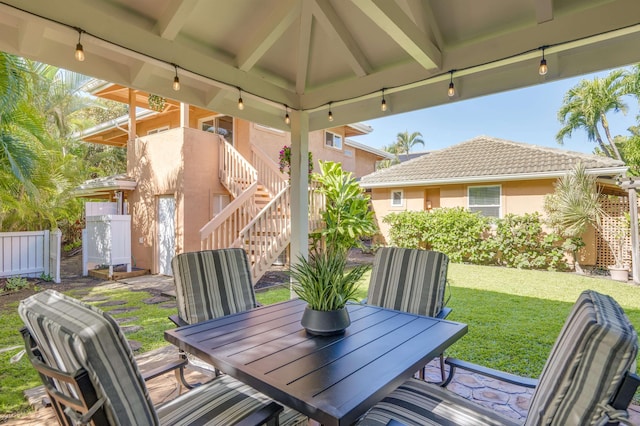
(91, 377)
(410, 280)
(211, 284)
(589, 379)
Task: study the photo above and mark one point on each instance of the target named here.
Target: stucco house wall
(182, 163)
(517, 197)
(525, 174)
(159, 168)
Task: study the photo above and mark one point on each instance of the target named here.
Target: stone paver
(156, 300)
(117, 311)
(128, 329)
(112, 303)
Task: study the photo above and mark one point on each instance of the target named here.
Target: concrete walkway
(507, 399)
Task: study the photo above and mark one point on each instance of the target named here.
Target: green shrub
(455, 231)
(460, 234)
(46, 277)
(523, 244)
(407, 229)
(514, 241)
(16, 283)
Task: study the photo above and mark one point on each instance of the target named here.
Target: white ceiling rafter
(331, 22)
(402, 30)
(174, 19)
(215, 97)
(141, 73)
(268, 34)
(304, 46)
(432, 26)
(544, 10)
(29, 37)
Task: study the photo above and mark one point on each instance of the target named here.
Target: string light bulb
(330, 115)
(176, 80)
(240, 102)
(79, 49)
(383, 104)
(452, 89)
(543, 68)
(287, 119)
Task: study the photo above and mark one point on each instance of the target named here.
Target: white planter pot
(619, 273)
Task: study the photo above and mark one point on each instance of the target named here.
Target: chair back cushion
(408, 280)
(73, 335)
(212, 284)
(596, 347)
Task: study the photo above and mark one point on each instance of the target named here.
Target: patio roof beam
(272, 28)
(304, 42)
(174, 19)
(544, 10)
(331, 22)
(403, 31)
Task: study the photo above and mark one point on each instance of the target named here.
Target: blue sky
(525, 115)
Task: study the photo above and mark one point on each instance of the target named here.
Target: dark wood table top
(333, 379)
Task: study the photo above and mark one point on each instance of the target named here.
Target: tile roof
(490, 159)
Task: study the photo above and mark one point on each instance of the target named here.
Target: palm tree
(20, 123)
(585, 106)
(405, 142)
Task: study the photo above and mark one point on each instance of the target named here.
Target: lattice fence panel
(615, 208)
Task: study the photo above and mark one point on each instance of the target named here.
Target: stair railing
(269, 174)
(236, 173)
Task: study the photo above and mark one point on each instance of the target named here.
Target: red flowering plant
(285, 161)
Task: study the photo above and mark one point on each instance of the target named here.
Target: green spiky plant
(321, 280)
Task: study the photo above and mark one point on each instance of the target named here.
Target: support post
(299, 185)
(131, 142)
(184, 115)
(633, 216)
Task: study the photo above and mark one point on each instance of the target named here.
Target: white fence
(30, 254)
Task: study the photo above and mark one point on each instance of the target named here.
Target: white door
(166, 233)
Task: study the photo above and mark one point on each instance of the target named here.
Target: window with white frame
(485, 199)
(333, 140)
(220, 124)
(397, 198)
(158, 130)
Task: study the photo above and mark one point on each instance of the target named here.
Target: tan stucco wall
(271, 141)
(158, 169)
(518, 197)
(183, 163)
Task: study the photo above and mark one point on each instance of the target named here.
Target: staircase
(258, 219)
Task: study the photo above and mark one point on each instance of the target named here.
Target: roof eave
(606, 171)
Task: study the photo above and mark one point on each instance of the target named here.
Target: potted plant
(322, 280)
(618, 271)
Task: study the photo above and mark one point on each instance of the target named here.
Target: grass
(514, 316)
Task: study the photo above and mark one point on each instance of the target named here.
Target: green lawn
(514, 316)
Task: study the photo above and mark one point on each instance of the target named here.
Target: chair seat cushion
(417, 403)
(224, 399)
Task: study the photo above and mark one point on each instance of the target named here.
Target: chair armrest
(489, 372)
(444, 312)
(165, 368)
(262, 416)
(393, 422)
(178, 321)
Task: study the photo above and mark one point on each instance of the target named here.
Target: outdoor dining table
(332, 379)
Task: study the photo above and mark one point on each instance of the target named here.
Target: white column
(131, 143)
(184, 115)
(299, 185)
(633, 216)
